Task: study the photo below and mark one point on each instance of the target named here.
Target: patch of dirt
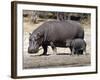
(61, 59)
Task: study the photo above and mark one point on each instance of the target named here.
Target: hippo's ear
(38, 34)
(30, 33)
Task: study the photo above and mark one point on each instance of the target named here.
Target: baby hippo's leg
(84, 52)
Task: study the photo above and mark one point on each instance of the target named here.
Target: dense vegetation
(36, 16)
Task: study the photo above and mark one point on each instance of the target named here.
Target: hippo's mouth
(33, 51)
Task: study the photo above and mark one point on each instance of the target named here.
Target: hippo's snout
(32, 51)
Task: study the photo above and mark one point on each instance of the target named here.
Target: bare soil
(61, 59)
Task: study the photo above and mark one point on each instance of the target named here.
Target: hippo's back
(62, 30)
(78, 44)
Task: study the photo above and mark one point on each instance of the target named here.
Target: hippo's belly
(60, 44)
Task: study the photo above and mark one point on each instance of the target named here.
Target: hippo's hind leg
(72, 51)
(53, 47)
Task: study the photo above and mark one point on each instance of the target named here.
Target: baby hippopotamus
(77, 46)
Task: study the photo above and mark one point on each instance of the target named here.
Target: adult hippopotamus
(55, 34)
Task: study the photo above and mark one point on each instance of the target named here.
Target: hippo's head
(68, 43)
(35, 41)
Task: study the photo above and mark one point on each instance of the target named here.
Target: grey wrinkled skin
(78, 46)
(55, 34)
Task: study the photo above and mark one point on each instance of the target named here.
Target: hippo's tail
(81, 34)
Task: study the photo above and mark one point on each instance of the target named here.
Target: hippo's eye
(35, 39)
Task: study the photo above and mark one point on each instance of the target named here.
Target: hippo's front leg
(45, 49)
(53, 47)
